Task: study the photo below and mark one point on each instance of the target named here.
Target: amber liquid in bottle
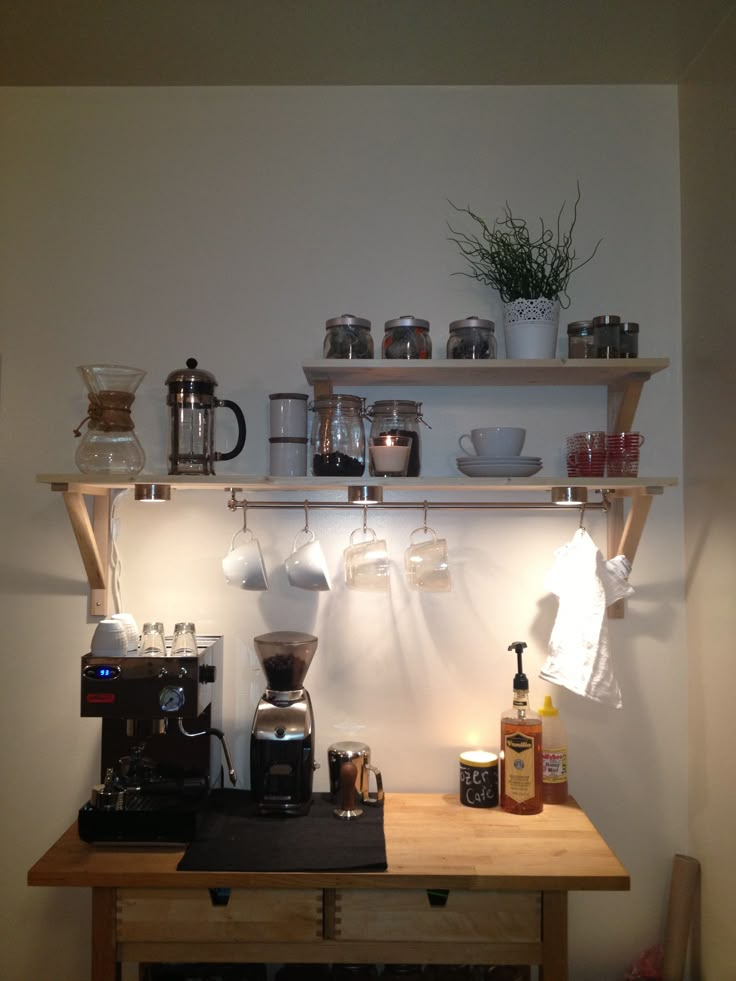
(521, 758)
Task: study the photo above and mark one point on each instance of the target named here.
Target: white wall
(708, 135)
(147, 226)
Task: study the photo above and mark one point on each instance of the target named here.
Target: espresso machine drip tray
(146, 819)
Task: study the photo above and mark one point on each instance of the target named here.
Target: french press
(192, 405)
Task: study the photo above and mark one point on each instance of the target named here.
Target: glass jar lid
(353, 403)
(473, 322)
(605, 319)
(407, 322)
(629, 327)
(580, 328)
(383, 406)
(347, 320)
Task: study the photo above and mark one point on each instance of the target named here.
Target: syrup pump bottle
(521, 748)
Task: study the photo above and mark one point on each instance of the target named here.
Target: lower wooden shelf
(91, 524)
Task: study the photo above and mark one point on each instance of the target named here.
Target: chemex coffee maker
(282, 737)
(158, 763)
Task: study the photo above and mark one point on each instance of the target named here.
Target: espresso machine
(282, 737)
(158, 760)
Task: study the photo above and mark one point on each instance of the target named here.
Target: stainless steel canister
(359, 754)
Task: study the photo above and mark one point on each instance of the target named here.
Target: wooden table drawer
(453, 916)
(283, 915)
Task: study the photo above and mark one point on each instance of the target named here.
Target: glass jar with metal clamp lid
(399, 417)
(338, 436)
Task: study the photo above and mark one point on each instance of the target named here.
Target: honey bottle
(521, 748)
(554, 754)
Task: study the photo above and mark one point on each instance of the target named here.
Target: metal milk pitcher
(192, 403)
(358, 754)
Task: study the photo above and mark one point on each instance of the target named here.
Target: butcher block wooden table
(463, 886)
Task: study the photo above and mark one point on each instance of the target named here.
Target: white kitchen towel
(579, 658)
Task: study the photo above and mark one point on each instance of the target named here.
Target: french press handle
(240, 418)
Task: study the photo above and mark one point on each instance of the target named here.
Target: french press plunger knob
(192, 405)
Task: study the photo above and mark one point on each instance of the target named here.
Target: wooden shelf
(87, 484)
(611, 373)
(623, 378)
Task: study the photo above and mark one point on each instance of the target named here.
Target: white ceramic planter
(530, 328)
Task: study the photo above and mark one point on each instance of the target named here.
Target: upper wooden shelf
(610, 373)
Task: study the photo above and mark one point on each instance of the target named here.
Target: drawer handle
(438, 897)
(219, 896)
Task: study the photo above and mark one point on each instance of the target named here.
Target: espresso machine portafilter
(282, 736)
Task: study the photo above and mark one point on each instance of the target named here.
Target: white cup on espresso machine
(359, 754)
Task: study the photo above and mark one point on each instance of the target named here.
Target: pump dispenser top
(521, 682)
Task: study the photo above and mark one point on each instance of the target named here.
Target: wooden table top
(432, 841)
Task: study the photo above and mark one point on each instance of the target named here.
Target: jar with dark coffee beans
(407, 338)
(628, 341)
(399, 417)
(606, 336)
(580, 340)
(472, 339)
(338, 436)
(348, 337)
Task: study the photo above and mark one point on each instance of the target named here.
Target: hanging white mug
(243, 566)
(306, 566)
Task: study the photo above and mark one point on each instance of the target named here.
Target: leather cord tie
(108, 412)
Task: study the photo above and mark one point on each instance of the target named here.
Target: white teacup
(306, 566)
(426, 565)
(110, 639)
(367, 563)
(494, 441)
(131, 629)
(243, 566)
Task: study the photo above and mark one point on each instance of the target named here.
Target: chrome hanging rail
(234, 503)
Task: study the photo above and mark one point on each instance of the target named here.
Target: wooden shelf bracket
(93, 539)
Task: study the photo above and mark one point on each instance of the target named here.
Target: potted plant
(530, 271)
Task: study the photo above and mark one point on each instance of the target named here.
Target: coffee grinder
(282, 737)
(158, 762)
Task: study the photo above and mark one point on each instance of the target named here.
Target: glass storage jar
(406, 337)
(606, 336)
(472, 338)
(338, 436)
(399, 417)
(580, 340)
(348, 337)
(628, 341)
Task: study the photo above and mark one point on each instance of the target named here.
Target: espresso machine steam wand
(218, 734)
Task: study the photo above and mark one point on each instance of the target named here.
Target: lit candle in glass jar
(389, 455)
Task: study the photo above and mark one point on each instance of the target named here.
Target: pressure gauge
(171, 699)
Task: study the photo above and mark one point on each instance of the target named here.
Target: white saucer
(492, 460)
(499, 469)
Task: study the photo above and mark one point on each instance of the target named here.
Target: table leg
(104, 936)
(554, 937)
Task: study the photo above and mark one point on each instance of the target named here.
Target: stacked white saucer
(497, 453)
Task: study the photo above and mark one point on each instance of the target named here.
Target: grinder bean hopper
(282, 737)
